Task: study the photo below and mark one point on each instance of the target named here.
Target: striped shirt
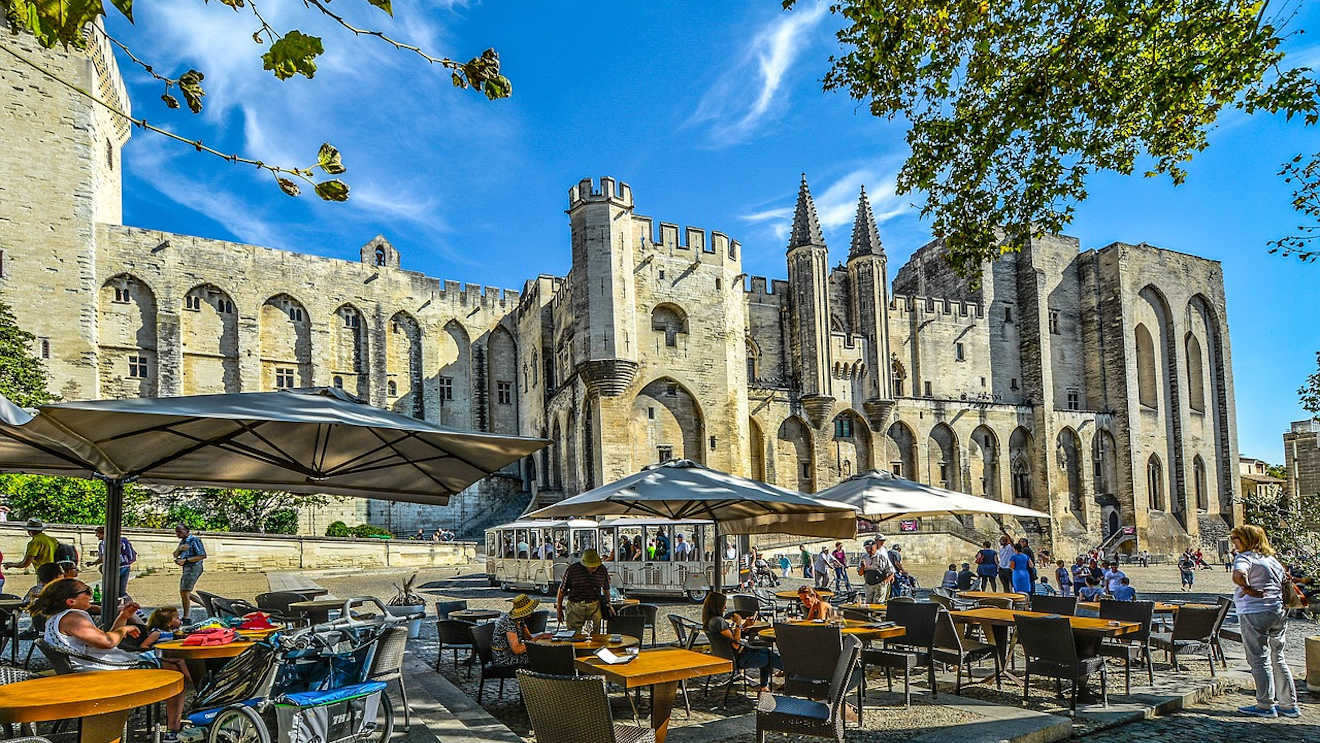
(581, 584)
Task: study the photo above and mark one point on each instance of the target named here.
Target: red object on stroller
(211, 636)
(256, 620)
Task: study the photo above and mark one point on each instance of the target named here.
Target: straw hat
(35, 525)
(522, 606)
(590, 558)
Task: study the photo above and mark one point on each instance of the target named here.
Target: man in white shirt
(682, 549)
(877, 571)
(823, 567)
(1113, 578)
(1006, 553)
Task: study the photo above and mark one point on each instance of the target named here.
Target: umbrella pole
(114, 511)
(718, 549)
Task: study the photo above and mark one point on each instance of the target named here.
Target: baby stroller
(762, 574)
(306, 686)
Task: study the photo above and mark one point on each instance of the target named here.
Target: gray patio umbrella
(683, 489)
(881, 496)
(318, 440)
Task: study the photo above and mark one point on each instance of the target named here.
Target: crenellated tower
(604, 295)
(808, 277)
(869, 280)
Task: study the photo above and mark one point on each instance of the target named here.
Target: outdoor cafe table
(586, 646)
(474, 615)
(1161, 607)
(102, 699)
(176, 649)
(1018, 598)
(660, 669)
(873, 608)
(792, 595)
(864, 631)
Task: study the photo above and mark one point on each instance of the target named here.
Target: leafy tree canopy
(1013, 103)
(22, 375)
(1310, 391)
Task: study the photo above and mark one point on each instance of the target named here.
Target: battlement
(587, 191)
(756, 290)
(904, 304)
(703, 245)
(475, 295)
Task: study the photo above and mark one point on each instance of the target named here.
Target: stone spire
(806, 228)
(865, 236)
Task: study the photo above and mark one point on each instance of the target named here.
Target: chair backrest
(1047, 638)
(231, 607)
(59, 660)
(535, 621)
(900, 600)
(844, 668)
(564, 709)
(481, 637)
(12, 675)
(553, 659)
(442, 608)
(745, 604)
(860, 615)
(1130, 611)
(633, 626)
(809, 651)
(1064, 605)
(943, 600)
(946, 634)
(388, 658)
(208, 600)
(454, 632)
(918, 619)
(1224, 605)
(997, 602)
(1195, 623)
(277, 602)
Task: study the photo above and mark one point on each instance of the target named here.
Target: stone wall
(1301, 456)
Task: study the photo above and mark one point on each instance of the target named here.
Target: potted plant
(406, 602)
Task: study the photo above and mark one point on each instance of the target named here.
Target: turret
(604, 295)
(870, 289)
(808, 276)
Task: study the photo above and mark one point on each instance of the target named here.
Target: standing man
(188, 555)
(821, 568)
(877, 571)
(682, 550)
(586, 583)
(805, 557)
(1004, 561)
(40, 547)
(127, 556)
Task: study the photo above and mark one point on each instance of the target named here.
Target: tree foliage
(258, 511)
(287, 54)
(1013, 104)
(1292, 524)
(22, 375)
(1310, 391)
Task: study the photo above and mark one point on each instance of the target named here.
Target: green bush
(367, 530)
(283, 521)
(338, 529)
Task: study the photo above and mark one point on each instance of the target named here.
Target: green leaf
(292, 54)
(497, 87)
(235, 4)
(170, 100)
(190, 85)
(125, 7)
(328, 159)
(55, 21)
(332, 190)
(288, 186)
(383, 5)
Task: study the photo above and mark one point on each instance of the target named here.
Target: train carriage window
(659, 543)
(583, 539)
(506, 542)
(561, 542)
(533, 543)
(609, 537)
(520, 544)
(490, 544)
(632, 545)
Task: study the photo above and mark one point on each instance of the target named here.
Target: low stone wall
(253, 552)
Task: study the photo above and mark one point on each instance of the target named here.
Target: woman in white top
(69, 627)
(1259, 601)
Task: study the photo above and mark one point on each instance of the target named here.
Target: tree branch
(443, 61)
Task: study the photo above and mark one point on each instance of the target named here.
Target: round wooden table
(792, 595)
(102, 699)
(474, 615)
(176, 649)
(587, 646)
(318, 610)
(864, 631)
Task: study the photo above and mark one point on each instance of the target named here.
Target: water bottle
(96, 593)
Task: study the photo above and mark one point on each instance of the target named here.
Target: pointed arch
(853, 450)
(753, 361)
(1104, 455)
(454, 380)
(668, 320)
(403, 365)
(1068, 452)
(589, 444)
(901, 450)
(1202, 309)
(208, 335)
(756, 450)
(983, 453)
(502, 366)
(1195, 374)
(666, 421)
(349, 354)
(127, 338)
(1147, 386)
(1199, 484)
(1155, 483)
(286, 344)
(795, 455)
(942, 457)
(557, 457)
(899, 373)
(1021, 455)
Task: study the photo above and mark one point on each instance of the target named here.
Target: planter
(414, 626)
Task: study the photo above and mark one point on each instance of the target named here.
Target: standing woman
(1021, 566)
(1259, 601)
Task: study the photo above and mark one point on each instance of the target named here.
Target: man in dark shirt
(966, 577)
(585, 583)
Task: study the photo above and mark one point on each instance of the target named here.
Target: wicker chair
(555, 660)
(232, 607)
(809, 653)
(1061, 605)
(722, 647)
(1134, 645)
(276, 604)
(957, 650)
(442, 608)
(481, 638)
(805, 717)
(913, 649)
(567, 709)
(1224, 605)
(1194, 630)
(387, 664)
(455, 635)
(208, 601)
(687, 632)
(748, 605)
(647, 612)
(1051, 651)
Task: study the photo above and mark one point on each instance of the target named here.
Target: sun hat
(879, 537)
(590, 558)
(35, 525)
(522, 606)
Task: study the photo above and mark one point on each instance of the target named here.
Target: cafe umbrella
(880, 496)
(314, 441)
(683, 489)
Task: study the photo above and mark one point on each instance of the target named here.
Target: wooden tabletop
(860, 630)
(593, 644)
(625, 602)
(656, 667)
(991, 595)
(176, 649)
(86, 694)
(1161, 607)
(791, 595)
(474, 614)
(259, 634)
(1086, 625)
(864, 607)
(315, 604)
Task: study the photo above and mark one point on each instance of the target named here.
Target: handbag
(1292, 598)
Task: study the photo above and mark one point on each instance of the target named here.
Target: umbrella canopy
(304, 441)
(319, 440)
(683, 489)
(882, 496)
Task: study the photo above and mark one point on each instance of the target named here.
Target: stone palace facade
(1093, 384)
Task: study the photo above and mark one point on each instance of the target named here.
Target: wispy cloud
(727, 110)
(836, 205)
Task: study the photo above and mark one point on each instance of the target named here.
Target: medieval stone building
(1095, 385)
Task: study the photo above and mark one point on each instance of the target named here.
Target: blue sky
(709, 110)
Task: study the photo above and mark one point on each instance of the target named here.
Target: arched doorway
(665, 423)
(901, 445)
(793, 456)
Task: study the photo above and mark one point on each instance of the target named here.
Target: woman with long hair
(64, 604)
(1261, 616)
(813, 606)
(713, 619)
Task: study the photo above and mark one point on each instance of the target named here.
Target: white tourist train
(644, 556)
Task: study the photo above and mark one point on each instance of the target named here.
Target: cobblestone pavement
(1217, 720)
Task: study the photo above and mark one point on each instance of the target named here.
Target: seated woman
(507, 645)
(712, 618)
(64, 603)
(813, 606)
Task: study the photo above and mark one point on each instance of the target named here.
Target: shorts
(191, 572)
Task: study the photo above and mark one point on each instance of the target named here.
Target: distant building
(1301, 458)
(1257, 479)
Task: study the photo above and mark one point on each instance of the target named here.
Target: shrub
(338, 529)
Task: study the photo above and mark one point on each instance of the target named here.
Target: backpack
(65, 552)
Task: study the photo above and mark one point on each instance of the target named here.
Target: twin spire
(806, 226)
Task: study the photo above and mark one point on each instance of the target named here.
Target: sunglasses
(87, 591)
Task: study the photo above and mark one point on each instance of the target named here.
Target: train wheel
(384, 721)
(239, 725)
(696, 595)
